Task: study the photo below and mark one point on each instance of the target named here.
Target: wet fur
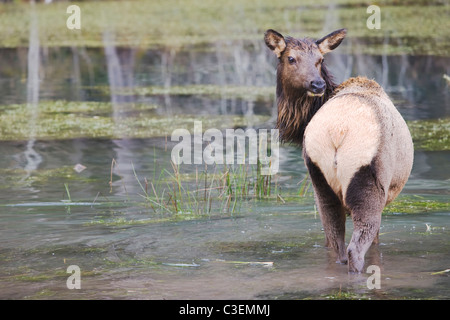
(296, 108)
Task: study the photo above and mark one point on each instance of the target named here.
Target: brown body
(356, 146)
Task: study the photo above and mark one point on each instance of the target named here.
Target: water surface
(52, 217)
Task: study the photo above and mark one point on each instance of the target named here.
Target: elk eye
(291, 60)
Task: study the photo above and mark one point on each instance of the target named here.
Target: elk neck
(296, 108)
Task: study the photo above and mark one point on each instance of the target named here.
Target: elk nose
(317, 86)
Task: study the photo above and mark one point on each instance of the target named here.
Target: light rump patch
(348, 144)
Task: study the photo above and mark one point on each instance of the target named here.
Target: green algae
(56, 120)
(431, 135)
(68, 120)
(416, 204)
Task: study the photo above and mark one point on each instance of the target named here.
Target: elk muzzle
(316, 88)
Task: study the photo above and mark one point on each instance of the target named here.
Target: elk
(356, 145)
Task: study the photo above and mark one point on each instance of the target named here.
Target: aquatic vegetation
(416, 204)
(216, 190)
(156, 23)
(20, 178)
(344, 295)
(431, 135)
(69, 120)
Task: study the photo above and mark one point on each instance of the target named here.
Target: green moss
(69, 120)
(431, 135)
(415, 204)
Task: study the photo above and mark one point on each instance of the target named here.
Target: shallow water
(267, 249)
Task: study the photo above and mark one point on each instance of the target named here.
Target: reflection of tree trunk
(221, 77)
(167, 58)
(33, 159)
(404, 82)
(76, 74)
(240, 63)
(118, 76)
(83, 53)
(120, 67)
(33, 62)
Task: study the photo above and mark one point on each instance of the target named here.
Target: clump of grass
(218, 189)
(180, 195)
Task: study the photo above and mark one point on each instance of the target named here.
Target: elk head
(300, 61)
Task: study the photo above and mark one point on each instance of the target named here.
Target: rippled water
(268, 249)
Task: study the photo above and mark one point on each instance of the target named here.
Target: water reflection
(76, 73)
(415, 82)
(32, 158)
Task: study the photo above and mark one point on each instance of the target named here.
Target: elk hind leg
(332, 213)
(365, 198)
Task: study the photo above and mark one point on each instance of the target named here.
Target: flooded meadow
(86, 120)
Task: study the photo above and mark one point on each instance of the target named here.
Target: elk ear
(331, 41)
(275, 41)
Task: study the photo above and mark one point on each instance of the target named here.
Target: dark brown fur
(296, 108)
